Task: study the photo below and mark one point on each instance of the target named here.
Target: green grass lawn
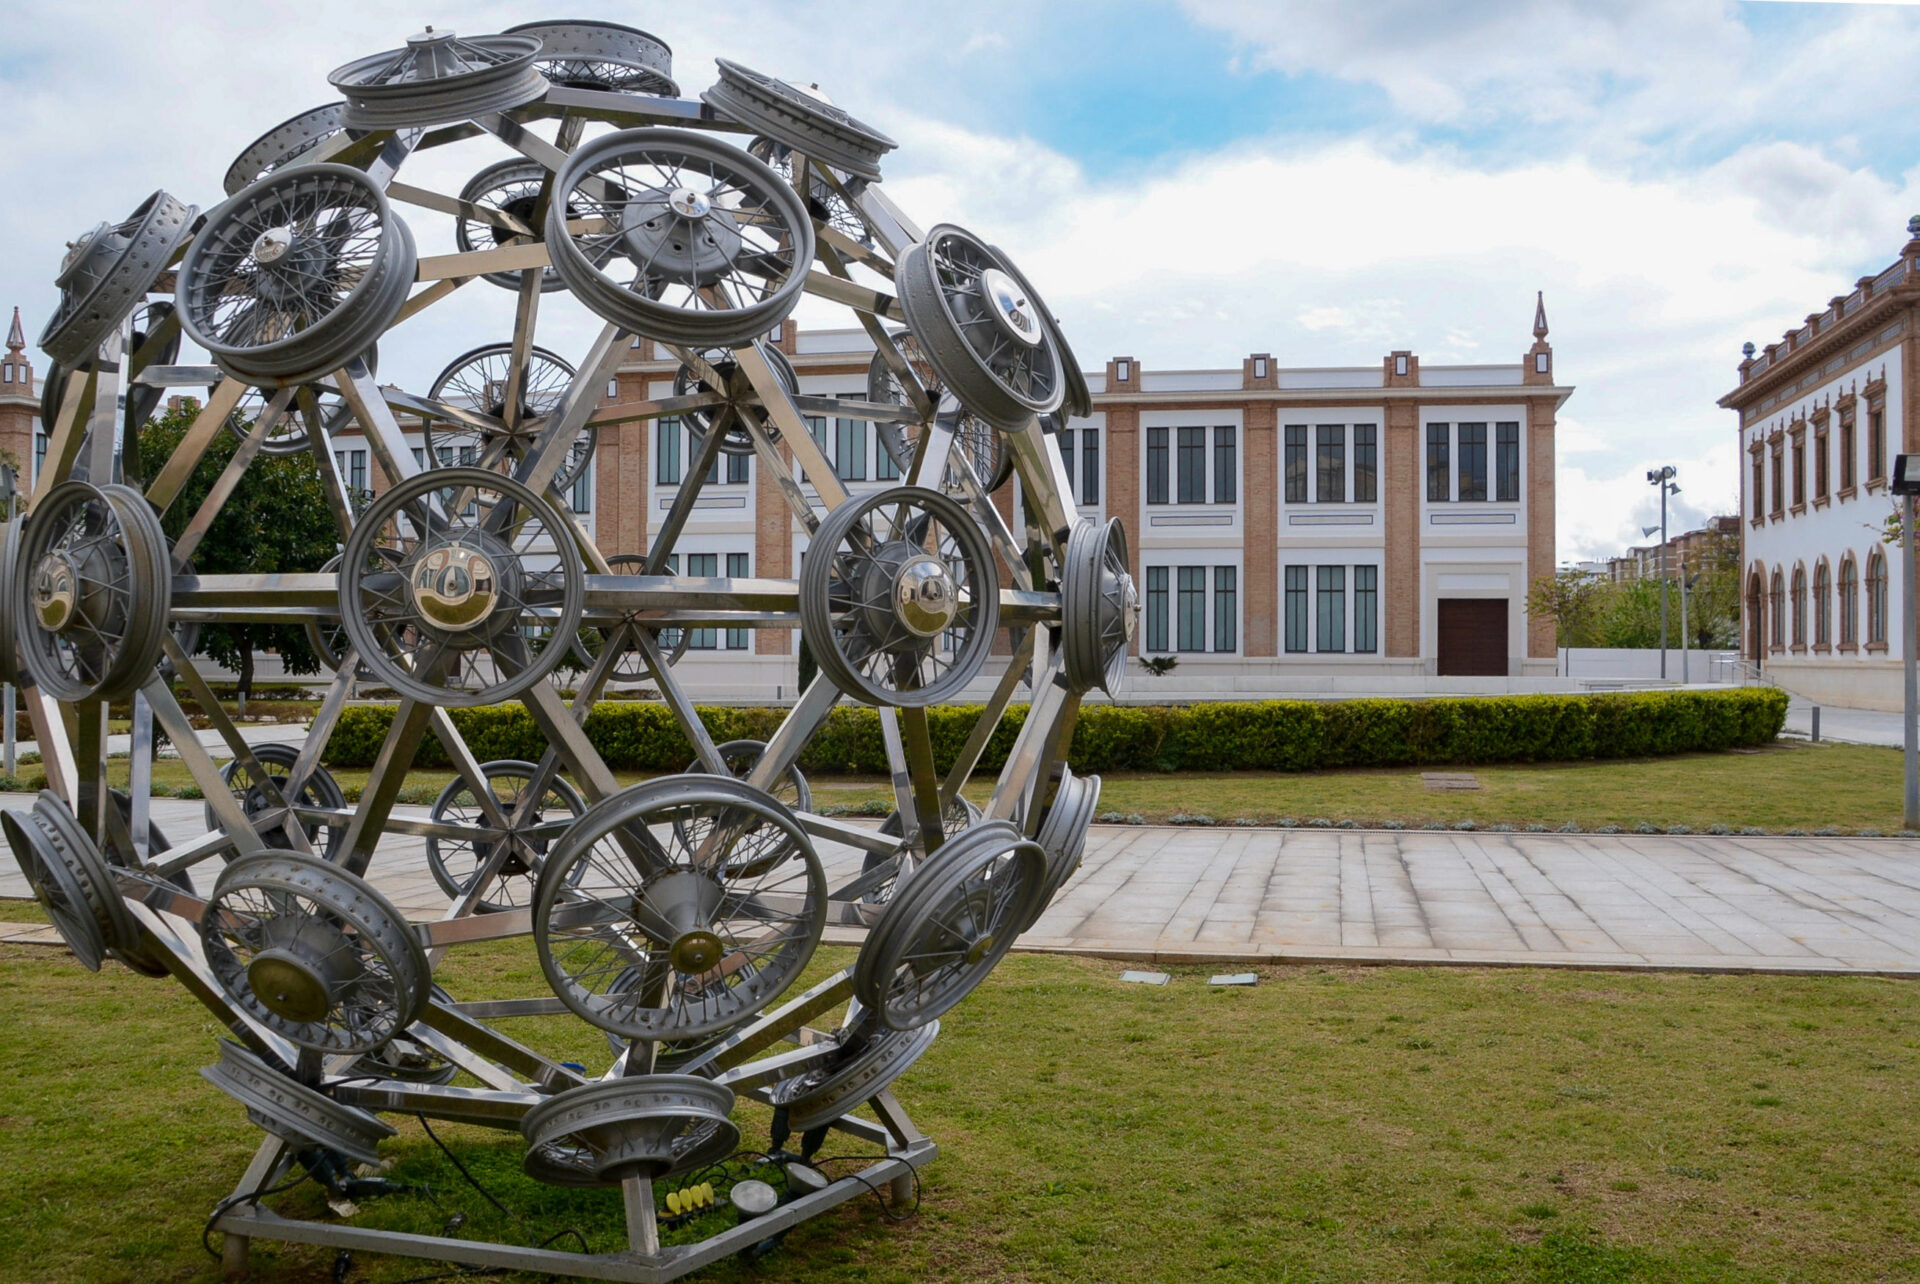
(1333, 1124)
(1786, 785)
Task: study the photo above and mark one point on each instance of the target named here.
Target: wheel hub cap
(455, 587)
(56, 592)
(1010, 308)
(696, 952)
(688, 203)
(288, 986)
(272, 245)
(979, 949)
(924, 596)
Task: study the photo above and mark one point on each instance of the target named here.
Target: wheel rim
(297, 275)
(63, 899)
(643, 881)
(789, 788)
(679, 237)
(872, 1058)
(456, 862)
(1099, 605)
(313, 952)
(512, 187)
(108, 271)
(1063, 835)
(276, 763)
(438, 78)
(901, 609)
(826, 205)
(802, 119)
(292, 1111)
(283, 144)
(979, 327)
(949, 925)
(959, 816)
(478, 381)
(647, 1126)
(602, 55)
(91, 591)
(482, 562)
(976, 443)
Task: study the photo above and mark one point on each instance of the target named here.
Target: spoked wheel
(698, 881)
(631, 666)
(1099, 606)
(313, 952)
(438, 79)
(961, 815)
(739, 394)
(1063, 835)
(283, 144)
(107, 272)
(291, 1111)
(803, 119)
(899, 597)
(91, 591)
(872, 1057)
(668, 1054)
(976, 443)
(483, 562)
(602, 55)
(74, 884)
(1076, 400)
(825, 204)
(317, 404)
(645, 1126)
(979, 327)
(679, 237)
(478, 381)
(456, 862)
(318, 790)
(328, 636)
(296, 276)
(742, 756)
(512, 187)
(947, 928)
(9, 569)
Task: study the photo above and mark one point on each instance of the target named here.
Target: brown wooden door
(1473, 637)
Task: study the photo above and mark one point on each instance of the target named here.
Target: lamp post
(1906, 484)
(1663, 479)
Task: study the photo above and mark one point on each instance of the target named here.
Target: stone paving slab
(1234, 896)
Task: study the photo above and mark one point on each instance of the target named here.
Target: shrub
(1268, 735)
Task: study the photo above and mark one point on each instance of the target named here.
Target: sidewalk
(1236, 896)
(1851, 726)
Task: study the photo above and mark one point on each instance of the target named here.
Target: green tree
(1574, 601)
(276, 521)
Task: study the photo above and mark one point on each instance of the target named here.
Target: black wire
(471, 1180)
(885, 1211)
(233, 1201)
(561, 1234)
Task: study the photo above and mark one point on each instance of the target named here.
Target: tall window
(1366, 463)
(1473, 462)
(1439, 484)
(582, 498)
(1876, 444)
(1330, 611)
(353, 467)
(1191, 467)
(737, 469)
(1366, 608)
(1064, 439)
(1193, 608)
(1799, 472)
(1876, 599)
(1759, 486)
(1849, 457)
(1226, 608)
(1777, 608)
(1296, 463)
(1157, 465)
(1820, 470)
(40, 440)
(1089, 465)
(850, 449)
(1849, 602)
(737, 639)
(1226, 467)
(1330, 463)
(885, 466)
(1296, 608)
(1506, 462)
(703, 565)
(666, 453)
(1822, 605)
(1800, 608)
(1156, 608)
(1779, 482)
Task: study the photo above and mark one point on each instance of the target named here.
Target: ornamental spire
(16, 341)
(1539, 314)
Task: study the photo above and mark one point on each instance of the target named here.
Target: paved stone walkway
(1238, 896)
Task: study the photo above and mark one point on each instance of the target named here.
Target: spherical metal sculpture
(678, 917)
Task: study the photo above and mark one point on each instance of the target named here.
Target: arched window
(1756, 613)
(1849, 602)
(1876, 599)
(1800, 607)
(1777, 610)
(1822, 604)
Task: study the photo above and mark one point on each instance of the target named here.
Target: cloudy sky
(1186, 182)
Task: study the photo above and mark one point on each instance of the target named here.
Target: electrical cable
(471, 1179)
(233, 1201)
(885, 1210)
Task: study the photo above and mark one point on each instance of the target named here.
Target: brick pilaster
(1260, 552)
(1540, 518)
(1402, 517)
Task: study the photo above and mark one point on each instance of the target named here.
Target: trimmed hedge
(1268, 735)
